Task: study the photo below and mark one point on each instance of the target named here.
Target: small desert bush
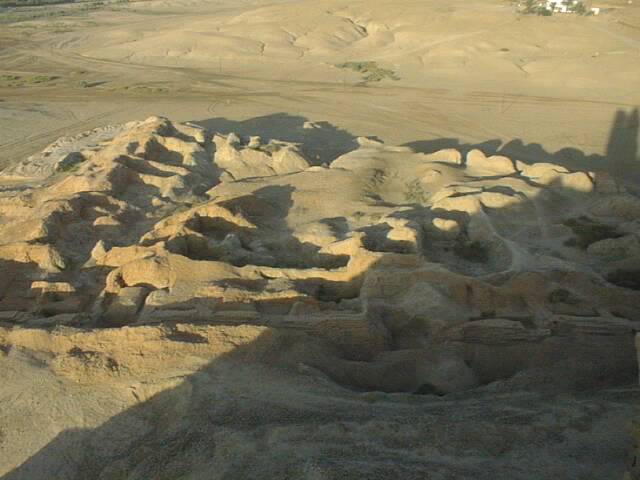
(21, 81)
(531, 7)
(41, 79)
(370, 70)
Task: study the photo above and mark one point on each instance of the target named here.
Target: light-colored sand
(471, 71)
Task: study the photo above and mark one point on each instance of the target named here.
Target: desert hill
(318, 239)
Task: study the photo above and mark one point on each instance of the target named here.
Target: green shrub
(41, 79)
(531, 7)
(370, 70)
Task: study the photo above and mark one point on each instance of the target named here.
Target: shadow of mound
(321, 142)
(621, 159)
(431, 146)
(271, 243)
(246, 415)
(170, 433)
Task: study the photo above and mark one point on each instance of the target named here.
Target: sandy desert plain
(319, 239)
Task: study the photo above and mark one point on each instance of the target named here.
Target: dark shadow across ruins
(321, 142)
(621, 158)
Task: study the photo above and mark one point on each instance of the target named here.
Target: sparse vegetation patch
(28, 10)
(41, 79)
(370, 71)
(31, 3)
(145, 89)
(414, 193)
(24, 81)
(9, 78)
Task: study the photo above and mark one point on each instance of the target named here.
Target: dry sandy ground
(245, 401)
(469, 72)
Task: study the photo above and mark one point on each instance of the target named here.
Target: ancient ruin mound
(151, 248)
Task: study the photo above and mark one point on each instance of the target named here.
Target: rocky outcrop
(253, 159)
(380, 258)
(157, 263)
(500, 165)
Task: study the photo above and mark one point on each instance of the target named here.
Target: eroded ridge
(406, 271)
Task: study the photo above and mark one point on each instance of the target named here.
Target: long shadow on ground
(621, 159)
(321, 142)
